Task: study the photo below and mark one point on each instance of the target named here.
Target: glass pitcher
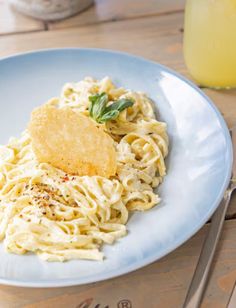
(210, 42)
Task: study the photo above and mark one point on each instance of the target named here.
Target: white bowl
(199, 163)
(50, 9)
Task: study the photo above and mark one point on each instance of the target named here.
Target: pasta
(60, 216)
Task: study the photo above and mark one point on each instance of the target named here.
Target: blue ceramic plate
(199, 164)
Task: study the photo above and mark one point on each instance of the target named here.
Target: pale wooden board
(11, 21)
(161, 284)
(107, 10)
(156, 38)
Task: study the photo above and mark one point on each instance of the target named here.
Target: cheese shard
(72, 142)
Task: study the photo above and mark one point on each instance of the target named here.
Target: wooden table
(153, 29)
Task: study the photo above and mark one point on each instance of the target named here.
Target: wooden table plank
(164, 283)
(12, 21)
(108, 10)
(157, 38)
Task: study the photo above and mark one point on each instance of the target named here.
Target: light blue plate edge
(155, 256)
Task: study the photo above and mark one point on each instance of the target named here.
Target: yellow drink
(210, 42)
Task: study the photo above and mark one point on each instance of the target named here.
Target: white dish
(199, 163)
(52, 9)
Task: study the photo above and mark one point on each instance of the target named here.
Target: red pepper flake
(65, 179)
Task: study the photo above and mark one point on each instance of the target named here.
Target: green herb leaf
(98, 105)
(100, 112)
(120, 105)
(110, 115)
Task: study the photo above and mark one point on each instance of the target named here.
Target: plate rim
(54, 283)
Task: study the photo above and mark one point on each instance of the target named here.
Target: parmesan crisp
(72, 142)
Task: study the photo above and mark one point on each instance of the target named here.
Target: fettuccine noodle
(60, 216)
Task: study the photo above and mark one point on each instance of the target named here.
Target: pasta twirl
(61, 216)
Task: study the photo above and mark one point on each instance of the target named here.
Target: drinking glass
(210, 42)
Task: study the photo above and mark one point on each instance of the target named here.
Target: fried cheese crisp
(72, 142)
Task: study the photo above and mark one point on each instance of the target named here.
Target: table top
(152, 29)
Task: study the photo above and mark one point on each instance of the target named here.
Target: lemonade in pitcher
(210, 42)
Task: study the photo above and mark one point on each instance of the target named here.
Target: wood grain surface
(113, 10)
(152, 29)
(157, 38)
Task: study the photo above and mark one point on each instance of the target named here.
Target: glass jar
(210, 42)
